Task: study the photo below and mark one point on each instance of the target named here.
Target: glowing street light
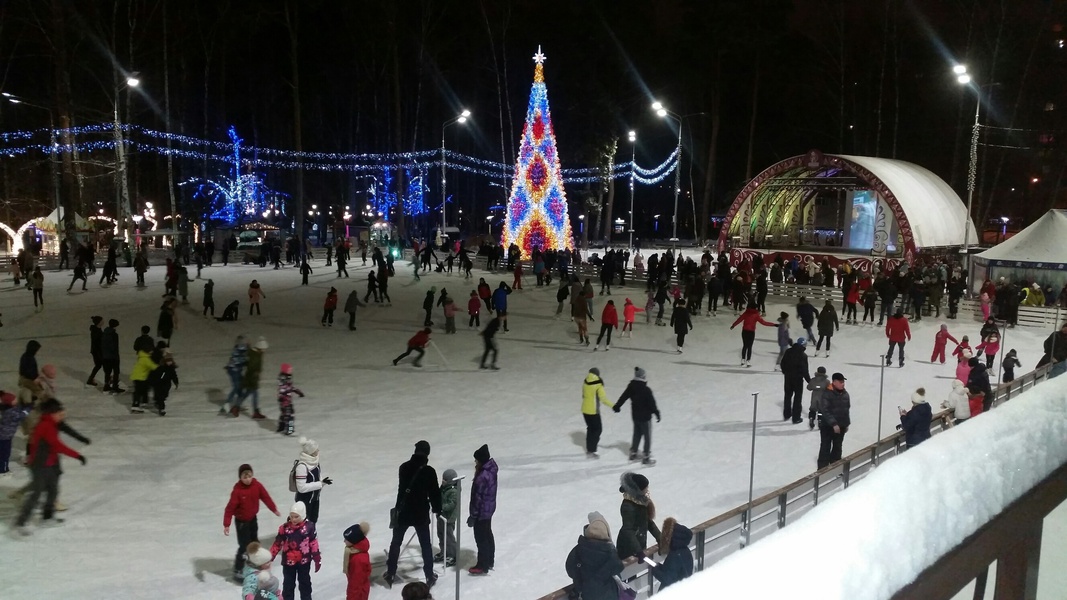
(664, 113)
(461, 119)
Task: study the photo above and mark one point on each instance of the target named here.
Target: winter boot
(258, 416)
(648, 461)
(633, 456)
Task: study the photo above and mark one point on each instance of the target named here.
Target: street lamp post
(462, 118)
(972, 170)
(633, 158)
(664, 113)
(123, 200)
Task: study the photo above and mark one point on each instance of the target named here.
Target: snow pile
(878, 536)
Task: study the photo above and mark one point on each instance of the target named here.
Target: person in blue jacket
(679, 562)
(500, 303)
(916, 422)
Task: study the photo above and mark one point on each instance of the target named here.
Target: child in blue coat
(679, 562)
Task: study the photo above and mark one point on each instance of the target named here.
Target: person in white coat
(957, 402)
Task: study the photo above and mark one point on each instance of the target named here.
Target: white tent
(49, 223)
(1037, 253)
(1042, 245)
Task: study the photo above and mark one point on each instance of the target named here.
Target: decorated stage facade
(862, 209)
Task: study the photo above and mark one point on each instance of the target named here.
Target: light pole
(123, 196)
(972, 170)
(489, 225)
(664, 113)
(633, 158)
(462, 118)
(53, 146)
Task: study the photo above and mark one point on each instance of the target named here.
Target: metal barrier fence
(723, 535)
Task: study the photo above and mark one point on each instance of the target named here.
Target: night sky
(868, 78)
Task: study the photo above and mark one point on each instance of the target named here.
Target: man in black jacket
(644, 406)
(834, 421)
(795, 369)
(417, 495)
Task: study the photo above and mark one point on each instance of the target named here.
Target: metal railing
(723, 535)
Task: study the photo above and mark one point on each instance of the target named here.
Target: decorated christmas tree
(537, 208)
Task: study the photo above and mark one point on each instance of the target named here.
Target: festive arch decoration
(536, 216)
(779, 203)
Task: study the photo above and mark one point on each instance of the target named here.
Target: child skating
(255, 294)
(357, 567)
(941, 339)
(328, 307)
(629, 311)
(474, 309)
(417, 343)
(286, 389)
(241, 510)
(298, 544)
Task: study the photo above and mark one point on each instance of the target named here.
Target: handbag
(625, 591)
(395, 511)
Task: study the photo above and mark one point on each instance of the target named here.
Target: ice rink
(145, 514)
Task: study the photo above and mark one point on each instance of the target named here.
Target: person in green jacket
(593, 395)
(638, 516)
(446, 520)
(250, 380)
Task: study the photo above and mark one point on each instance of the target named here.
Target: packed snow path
(145, 514)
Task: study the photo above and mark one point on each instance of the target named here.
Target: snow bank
(869, 541)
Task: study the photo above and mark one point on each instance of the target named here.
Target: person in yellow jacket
(1034, 296)
(593, 395)
(142, 370)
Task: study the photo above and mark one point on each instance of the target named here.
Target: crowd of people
(423, 498)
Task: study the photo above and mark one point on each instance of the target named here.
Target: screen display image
(861, 229)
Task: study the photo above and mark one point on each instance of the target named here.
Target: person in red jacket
(629, 311)
(851, 299)
(329, 306)
(941, 339)
(517, 283)
(750, 317)
(242, 508)
(898, 331)
(44, 450)
(357, 562)
(474, 309)
(609, 319)
(417, 343)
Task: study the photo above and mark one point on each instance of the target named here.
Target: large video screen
(861, 229)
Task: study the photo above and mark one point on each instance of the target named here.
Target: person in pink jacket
(991, 346)
(941, 339)
(298, 545)
(450, 310)
(963, 367)
(629, 311)
(255, 294)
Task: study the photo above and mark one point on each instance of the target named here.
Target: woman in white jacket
(957, 401)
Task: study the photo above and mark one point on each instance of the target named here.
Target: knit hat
(258, 556)
(598, 528)
(356, 533)
(821, 370)
(145, 329)
(299, 509)
(245, 467)
(595, 371)
(640, 481)
(783, 316)
(482, 454)
(309, 447)
(97, 320)
(287, 369)
(422, 447)
(262, 343)
(113, 323)
(919, 397)
(974, 362)
(50, 406)
(639, 374)
(802, 341)
(449, 475)
(49, 371)
(7, 398)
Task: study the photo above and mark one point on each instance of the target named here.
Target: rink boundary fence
(724, 534)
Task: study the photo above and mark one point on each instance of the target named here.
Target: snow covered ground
(145, 514)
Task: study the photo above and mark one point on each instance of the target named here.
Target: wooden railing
(723, 535)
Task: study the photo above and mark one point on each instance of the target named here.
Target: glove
(657, 418)
(616, 409)
(318, 565)
(81, 459)
(327, 481)
(88, 441)
(470, 521)
(640, 556)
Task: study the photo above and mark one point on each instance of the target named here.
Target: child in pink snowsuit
(629, 311)
(963, 367)
(941, 339)
(984, 298)
(990, 345)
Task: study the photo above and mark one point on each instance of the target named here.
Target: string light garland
(536, 216)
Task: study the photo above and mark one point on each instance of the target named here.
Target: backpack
(292, 476)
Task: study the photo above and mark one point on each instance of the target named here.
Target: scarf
(349, 551)
(643, 500)
(309, 460)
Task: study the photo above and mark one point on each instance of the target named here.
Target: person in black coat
(418, 493)
(681, 322)
(109, 355)
(95, 335)
(592, 564)
(679, 562)
(489, 338)
(916, 422)
(795, 371)
(834, 421)
(644, 406)
(979, 378)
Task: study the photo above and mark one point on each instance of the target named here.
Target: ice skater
(899, 332)
(750, 318)
(286, 389)
(593, 395)
(417, 344)
(642, 409)
(629, 312)
(681, 323)
(241, 510)
(329, 306)
(255, 294)
(609, 320)
(941, 339)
